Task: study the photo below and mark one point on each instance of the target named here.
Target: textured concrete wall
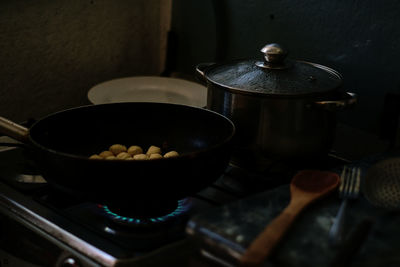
(52, 52)
(361, 39)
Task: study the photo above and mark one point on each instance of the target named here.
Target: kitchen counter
(226, 231)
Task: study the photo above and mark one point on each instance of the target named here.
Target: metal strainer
(382, 183)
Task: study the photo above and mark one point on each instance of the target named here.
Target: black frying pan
(62, 143)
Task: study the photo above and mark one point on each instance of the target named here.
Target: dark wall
(53, 52)
(360, 39)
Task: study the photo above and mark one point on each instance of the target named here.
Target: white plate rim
(193, 94)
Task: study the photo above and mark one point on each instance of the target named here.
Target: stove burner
(146, 216)
(30, 179)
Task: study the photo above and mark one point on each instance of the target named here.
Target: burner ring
(183, 206)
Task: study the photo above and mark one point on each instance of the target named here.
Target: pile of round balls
(121, 152)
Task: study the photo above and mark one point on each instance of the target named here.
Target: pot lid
(275, 75)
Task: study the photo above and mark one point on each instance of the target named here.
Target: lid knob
(274, 56)
(274, 53)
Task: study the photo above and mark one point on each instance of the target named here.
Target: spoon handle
(262, 246)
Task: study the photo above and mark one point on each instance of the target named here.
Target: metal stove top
(41, 226)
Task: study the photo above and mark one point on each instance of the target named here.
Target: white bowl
(149, 89)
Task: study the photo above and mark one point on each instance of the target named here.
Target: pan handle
(14, 130)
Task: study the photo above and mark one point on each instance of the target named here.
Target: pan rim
(181, 156)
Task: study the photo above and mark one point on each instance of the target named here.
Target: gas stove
(40, 226)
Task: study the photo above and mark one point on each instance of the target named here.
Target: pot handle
(14, 130)
(349, 100)
(200, 71)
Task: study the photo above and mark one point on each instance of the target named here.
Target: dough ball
(153, 150)
(134, 150)
(171, 154)
(123, 155)
(155, 156)
(106, 154)
(117, 148)
(111, 158)
(140, 157)
(95, 157)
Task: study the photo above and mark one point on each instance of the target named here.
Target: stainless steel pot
(282, 109)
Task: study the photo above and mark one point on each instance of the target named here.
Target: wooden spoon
(305, 187)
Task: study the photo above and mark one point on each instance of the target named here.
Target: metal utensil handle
(13, 130)
(336, 231)
(352, 244)
(349, 101)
